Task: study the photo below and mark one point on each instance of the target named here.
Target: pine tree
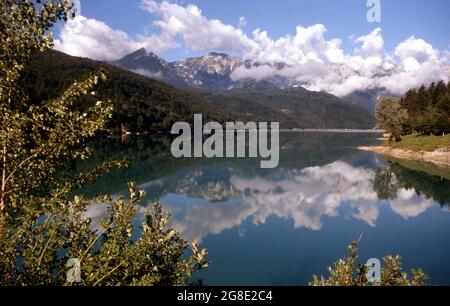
(409, 102)
(423, 99)
(439, 92)
(428, 109)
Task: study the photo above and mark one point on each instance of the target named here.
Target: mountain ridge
(218, 71)
(142, 103)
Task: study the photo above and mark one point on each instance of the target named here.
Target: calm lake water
(280, 226)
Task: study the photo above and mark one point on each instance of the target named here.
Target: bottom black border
(222, 295)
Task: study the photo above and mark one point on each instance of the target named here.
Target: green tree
(433, 121)
(385, 184)
(41, 227)
(423, 98)
(391, 116)
(428, 109)
(438, 92)
(38, 250)
(347, 272)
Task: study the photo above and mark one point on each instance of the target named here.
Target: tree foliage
(41, 228)
(425, 110)
(140, 104)
(389, 181)
(391, 117)
(428, 109)
(108, 254)
(347, 272)
(38, 140)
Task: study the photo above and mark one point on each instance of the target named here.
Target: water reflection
(213, 197)
(302, 196)
(323, 194)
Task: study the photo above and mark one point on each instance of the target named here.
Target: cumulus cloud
(417, 63)
(91, 38)
(372, 45)
(313, 60)
(408, 205)
(197, 32)
(258, 72)
(303, 196)
(82, 36)
(308, 44)
(321, 65)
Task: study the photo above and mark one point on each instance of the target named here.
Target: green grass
(423, 143)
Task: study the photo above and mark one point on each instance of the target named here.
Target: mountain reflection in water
(323, 188)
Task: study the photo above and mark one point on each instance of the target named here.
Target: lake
(281, 226)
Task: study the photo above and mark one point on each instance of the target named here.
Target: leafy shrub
(346, 272)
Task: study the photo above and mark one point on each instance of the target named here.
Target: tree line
(424, 110)
(428, 109)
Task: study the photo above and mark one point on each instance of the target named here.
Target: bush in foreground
(346, 272)
(45, 238)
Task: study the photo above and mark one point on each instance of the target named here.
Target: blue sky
(327, 45)
(426, 19)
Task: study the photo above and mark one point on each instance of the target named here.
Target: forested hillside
(295, 108)
(140, 103)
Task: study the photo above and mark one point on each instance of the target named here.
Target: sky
(412, 35)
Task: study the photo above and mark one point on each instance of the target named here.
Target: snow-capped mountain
(220, 72)
(150, 65)
(214, 71)
(210, 72)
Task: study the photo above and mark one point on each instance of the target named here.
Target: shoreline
(440, 158)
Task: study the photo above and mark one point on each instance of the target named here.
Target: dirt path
(440, 158)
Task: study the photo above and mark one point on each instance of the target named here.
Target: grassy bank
(431, 149)
(422, 143)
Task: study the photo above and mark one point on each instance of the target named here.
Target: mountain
(150, 65)
(142, 104)
(294, 108)
(216, 72)
(251, 84)
(210, 72)
(365, 99)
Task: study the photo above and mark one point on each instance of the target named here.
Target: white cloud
(305, 197)
(308, 44)
(408, 205)
(91, 38)
(321, 65)
(417, 49)
(258, 72)
(197, 32)
(371, 44)
(316, 62)
(154, 75)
